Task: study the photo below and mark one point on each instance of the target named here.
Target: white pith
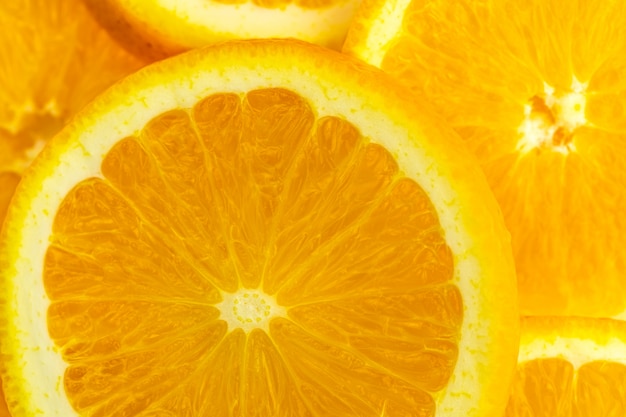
(568, 110)
(205, 20)
(249, 309)
(575, 350)
(379, 38)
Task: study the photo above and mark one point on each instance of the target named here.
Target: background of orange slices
(536, 89)
(54, 58)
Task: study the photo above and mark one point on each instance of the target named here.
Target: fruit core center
(551, 119)
(249, 309)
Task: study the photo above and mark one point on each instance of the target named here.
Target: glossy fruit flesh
(209, 207)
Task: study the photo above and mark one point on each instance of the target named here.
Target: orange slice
(256, 228)
(570, 367)
(537, 89)
(54, 58)
(160, 28)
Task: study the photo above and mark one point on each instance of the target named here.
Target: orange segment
(238, 243)
(570, 367)
(388, 243)
(535, 90)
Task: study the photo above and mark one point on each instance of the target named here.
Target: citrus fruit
(570, 367)
(155, 29)
(256, 228)
(537, 89)
(54, 58)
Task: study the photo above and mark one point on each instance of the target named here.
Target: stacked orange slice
(537, 90)
(256, 228)
(155, 29)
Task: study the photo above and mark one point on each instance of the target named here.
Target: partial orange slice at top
(160, 28)
(537, 89)
(570, 367)
(257, 228)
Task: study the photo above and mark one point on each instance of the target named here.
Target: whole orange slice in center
(258, 228)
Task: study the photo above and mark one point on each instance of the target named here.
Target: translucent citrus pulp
(256, 228)
(570, 367)
(54, 58)
(537, 89)
(4, 410)
(160, 28)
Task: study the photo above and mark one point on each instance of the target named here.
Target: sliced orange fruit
(256, 228)
(570, 367)
(54, 58)
(537, 89)
(159, 28)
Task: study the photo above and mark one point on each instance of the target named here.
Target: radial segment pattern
(570, 367)
(555, 387)
(537, 91)
(248, 258)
